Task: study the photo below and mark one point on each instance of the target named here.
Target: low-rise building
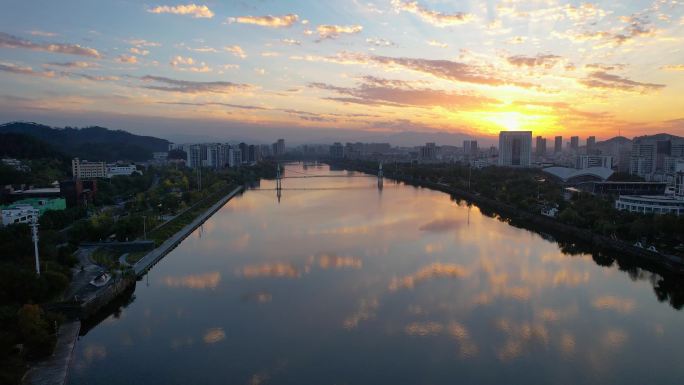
(16, 164)
(651, 204)
(574, 176)
(19, 214)
(42, 204)
(624, 188)
(121, 170)
(160, 157)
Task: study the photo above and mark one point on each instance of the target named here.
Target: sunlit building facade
(515, 148)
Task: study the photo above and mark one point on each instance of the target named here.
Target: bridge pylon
(279, 182)
(380, 176)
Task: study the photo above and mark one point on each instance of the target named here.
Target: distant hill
(614, 145)
(92, 143)
(619, 140)
(23, 146)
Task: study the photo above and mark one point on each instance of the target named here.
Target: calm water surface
(340, 283)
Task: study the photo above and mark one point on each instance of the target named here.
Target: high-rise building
(574, 143)
(679, 179)
(470, 148)
(655, 154)
(234, 157)
(591, 145)
(279, 147)
(244, 151)
(558, 145)
(515, 148)
(213, 156)
(540, 149)
(193, 159)
(643, 159)
(337, 151)
(265, 150)
(429, 151)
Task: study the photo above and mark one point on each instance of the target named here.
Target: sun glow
(494, 121)
(510, 121)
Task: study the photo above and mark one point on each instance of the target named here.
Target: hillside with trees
(92, 143)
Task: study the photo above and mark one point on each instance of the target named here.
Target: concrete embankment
(540, 222)
(54, 370)
(146, 262)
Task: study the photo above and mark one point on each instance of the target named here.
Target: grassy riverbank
(166, 230)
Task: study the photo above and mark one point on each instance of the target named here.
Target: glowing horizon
(472, 67)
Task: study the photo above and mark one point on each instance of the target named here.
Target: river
(340, 282)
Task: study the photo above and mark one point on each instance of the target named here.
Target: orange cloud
(328, 31)
(128, 59)
(21, 70)
(601, 79)
(235, 50)
(196, 11)
(267, 21)
(10, 41)
(435, 18)
(191, 87)
(673, 67)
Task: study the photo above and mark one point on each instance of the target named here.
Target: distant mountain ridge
(92, 143)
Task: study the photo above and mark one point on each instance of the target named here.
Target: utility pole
(144, 227)
(34, 233)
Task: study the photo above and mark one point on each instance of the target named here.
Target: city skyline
(347, 71)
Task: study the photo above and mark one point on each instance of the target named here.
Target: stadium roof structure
(567, 174)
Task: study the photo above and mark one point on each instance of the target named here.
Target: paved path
(82, 277)
(54, 370)
(146, 262)
(123, 261)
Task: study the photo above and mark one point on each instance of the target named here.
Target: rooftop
(566, 173)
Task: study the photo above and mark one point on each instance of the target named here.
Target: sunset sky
(345, 69)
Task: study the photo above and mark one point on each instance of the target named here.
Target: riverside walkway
(55, 369)
(145, 263)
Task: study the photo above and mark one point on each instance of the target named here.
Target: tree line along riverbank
(522, 193)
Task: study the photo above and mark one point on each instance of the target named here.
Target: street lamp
(34, 237)
(144, 227)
